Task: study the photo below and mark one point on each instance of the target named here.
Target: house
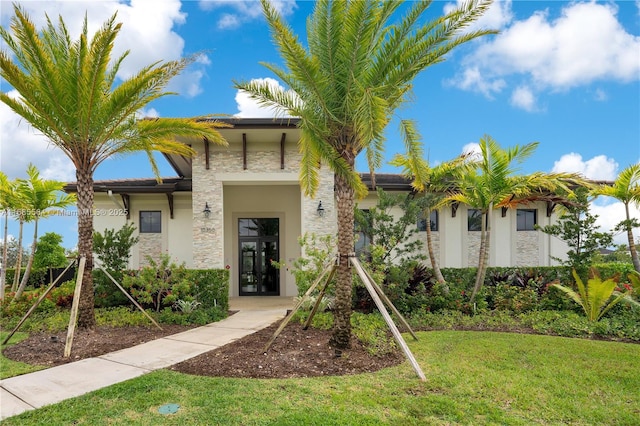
(239, 207)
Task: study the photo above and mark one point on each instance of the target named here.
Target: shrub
(160, 284)
(37, 277)
(106, 293)
(319, 250)
(210, 287)
(62, 295)
(198, 316)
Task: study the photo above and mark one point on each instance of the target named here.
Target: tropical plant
(7, 194)
(113, 248)
(345, 84)
(626, 189)
(577, 227)
(40, 195)
(596, 297)
(68, 92)
(22, 214)
(393, 235)
(494, 184)
(433, 183)
(49, 253)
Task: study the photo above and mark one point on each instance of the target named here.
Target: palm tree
(7, 194)
(345, 84)
(40, 195)
(68, 92)
(22, 213)
(494, 184)
(434, 183)
(626, 189)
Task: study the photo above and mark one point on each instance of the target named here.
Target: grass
(477, 378)
(10, 368)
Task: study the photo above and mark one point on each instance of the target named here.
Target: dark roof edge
(139, 186)
(240, 122)
(387, 181)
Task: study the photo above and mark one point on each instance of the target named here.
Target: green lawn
(9, 368)
(473, 378)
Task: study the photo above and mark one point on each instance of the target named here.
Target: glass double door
(258, 246)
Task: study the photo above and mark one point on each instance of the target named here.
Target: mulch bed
(295, 353)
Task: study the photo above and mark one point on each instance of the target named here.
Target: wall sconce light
(320, 209)
(207, 210)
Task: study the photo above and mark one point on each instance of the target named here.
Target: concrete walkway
(35, 390)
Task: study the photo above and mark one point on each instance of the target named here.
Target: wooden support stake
(388, 302)
(35, 305)
(129, 296)
(320, 296)
(387, 318)
(284, 322)
(74, 308)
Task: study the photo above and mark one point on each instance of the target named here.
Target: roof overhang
(137, 186)
(241, 130)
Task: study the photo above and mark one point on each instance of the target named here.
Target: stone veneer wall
(207, 232)
(435, 243)
(328, 224)
(208, 245)
(149, 244)
(473, 248)
(527, 248)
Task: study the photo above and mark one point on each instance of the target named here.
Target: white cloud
(22, 144)
(597, 168)
(497, 17)
(147, 31)
(228, 21)
(557, 53)
(600, 95)
(522, 97)
(249, 108)
(610, 215)
(472, 79)
(472, 149)
(147, 113)
(244, 11)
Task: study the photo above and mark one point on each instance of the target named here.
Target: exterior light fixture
(320, 209)
(207, 210)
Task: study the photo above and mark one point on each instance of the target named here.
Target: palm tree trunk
(632, 244)
(432, 258)
(18, 267)
(3, 272)
(86, 316)
(344, 194)
(27, 271)
(482, 257)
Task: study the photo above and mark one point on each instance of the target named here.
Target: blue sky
(565, 74)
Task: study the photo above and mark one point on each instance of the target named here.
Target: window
(422, 222)
(474, 220)
(150, 222)
(527, 219)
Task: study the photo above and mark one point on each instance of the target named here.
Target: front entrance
(258, 245)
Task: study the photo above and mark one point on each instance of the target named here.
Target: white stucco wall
(174, 238)
(456, 247)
